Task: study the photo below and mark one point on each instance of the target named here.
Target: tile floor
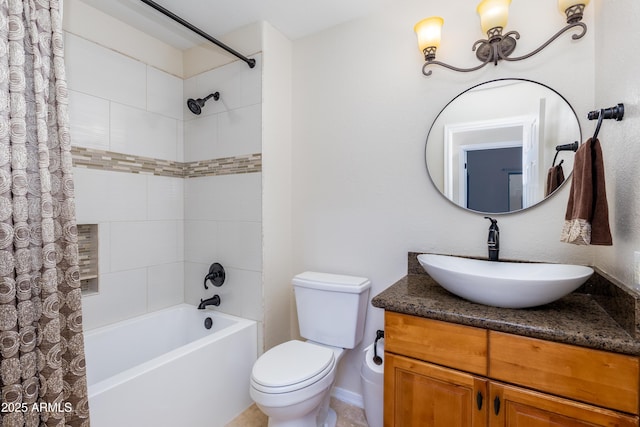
(348, 416)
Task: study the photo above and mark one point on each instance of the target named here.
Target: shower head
(195, 105)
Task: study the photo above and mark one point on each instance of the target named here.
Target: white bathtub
(166, 369)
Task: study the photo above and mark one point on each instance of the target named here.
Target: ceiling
(293, 18)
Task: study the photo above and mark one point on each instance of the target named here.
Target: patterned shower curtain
(42, 364)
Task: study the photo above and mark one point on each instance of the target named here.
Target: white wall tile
(189, 90)
(201, 138)
(201, 241)
(200, 198)
(161, 238)
(91, 190)
(224, 198)
(239, 86)
(89, 121)
(224, 81)
(98, 71)
(241, 243)
(181, 240)
(104, 248)
(228, 81)
(251, 285)
(129, 245)
(226, 134)
(194, 274)
(165, 285)
(166, 196)
(238, 197)
(231, 294)
(240, 131)
(241, 293)
(126, 197)
(122, 295)
(135, 131)
(164, 93)
(231, 126)
(180, 146)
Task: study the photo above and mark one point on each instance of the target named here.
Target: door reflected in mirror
(492, 173)
(491, 148)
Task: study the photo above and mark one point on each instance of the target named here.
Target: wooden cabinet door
(516, 407)
(420, 394)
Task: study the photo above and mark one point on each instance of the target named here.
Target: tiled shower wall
(223, 213)
(170, 192)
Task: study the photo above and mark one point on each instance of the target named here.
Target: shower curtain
(42, 364)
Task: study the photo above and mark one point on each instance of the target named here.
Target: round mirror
(502, 146)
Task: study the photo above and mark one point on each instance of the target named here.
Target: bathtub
(166, 369)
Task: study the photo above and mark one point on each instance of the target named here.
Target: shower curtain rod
(250, 61)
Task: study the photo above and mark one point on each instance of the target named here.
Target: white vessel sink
(504, 284)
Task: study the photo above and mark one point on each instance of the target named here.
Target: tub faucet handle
(216, 275)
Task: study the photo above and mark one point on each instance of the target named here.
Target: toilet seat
(291, 366)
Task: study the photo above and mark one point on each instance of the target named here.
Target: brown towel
(587, 218)
(555, 177)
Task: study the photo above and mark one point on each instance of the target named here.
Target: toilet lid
(292, 363)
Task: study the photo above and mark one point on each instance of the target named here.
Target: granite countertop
(577, 319)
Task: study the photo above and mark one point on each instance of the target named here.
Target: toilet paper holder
(377, 359)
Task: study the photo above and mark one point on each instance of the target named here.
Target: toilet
(291, 383)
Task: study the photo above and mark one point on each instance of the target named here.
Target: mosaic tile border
(224, 166)
(117, 162)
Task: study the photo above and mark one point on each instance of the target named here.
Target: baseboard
(348, 397)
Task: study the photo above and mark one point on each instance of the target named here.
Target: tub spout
(214, 300)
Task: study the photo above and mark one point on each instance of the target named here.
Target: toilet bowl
(291, 383)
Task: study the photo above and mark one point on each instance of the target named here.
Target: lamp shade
(429, 31)
(493, 13)
(563, 5)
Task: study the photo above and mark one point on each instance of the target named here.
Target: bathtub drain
(208, 322)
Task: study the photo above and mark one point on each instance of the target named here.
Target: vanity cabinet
(439, 374)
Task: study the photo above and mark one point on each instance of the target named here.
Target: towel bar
(616, 112)
(568, 147)
(565, 147)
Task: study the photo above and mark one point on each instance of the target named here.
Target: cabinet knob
(479, 400)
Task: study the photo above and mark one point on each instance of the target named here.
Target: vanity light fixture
(497, 46)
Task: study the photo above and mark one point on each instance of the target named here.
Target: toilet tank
(331, 307)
